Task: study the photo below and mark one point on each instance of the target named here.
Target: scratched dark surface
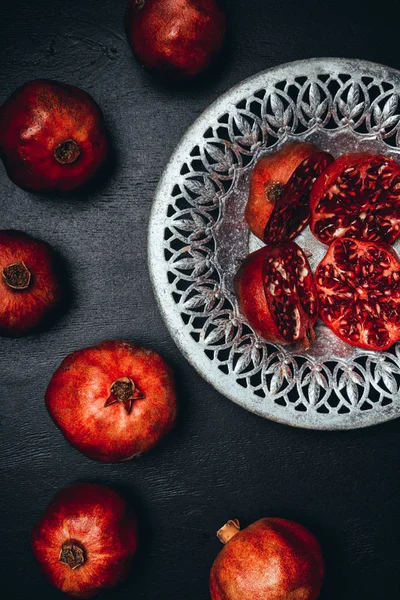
(221, 461)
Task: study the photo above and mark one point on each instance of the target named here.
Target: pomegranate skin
(176, 39)
(26, 303)
(274, 559)
(249, 286)
(103, 531)
(256, 302)
(100, 420)
(275, 168)
(52, 136)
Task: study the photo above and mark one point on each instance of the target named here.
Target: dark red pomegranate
(277, 208)
(113, 401)
(175, 38)
(52, 136)
(85, 540)
(30, 290)
(276, 293)
(358, 284)
(273, 559)
(357, 196)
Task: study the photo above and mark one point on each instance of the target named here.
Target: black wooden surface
(221, 461)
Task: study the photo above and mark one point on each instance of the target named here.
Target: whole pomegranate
(276, 292)
(85, 540)
(113, 401)
(273, 559)
(30, 290)
(357, 196)
(358, 284)
(175, 38)
(52, 136)
(280, 183)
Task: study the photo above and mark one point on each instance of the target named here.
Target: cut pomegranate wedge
(358, 284)
(291, 211)
(277, 294)
(357, 196)
(268, 180)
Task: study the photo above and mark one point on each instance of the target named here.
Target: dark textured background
(221, 461)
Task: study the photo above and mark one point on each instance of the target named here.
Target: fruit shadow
(101, 180)
(335, 578)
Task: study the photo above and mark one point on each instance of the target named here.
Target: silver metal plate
(198, 238)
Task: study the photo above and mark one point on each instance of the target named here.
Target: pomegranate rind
(251, 296)
(271, 559)
(262, 304)
(358, 284)
(357, 196)
(291, 213)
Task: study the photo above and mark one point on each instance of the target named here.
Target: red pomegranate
(113, 401)
(357, 196)
(175, 38)
(52, 136)
(276, 292)
(30, 290)
(358, 284)
(273, 559)
(280, 183)
(85, 540)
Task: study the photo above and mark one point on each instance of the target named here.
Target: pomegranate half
(357, 196)
(358, 283)
(272, 559)
(276, 292)
(113, 401)
(85, 540)
(280, 183)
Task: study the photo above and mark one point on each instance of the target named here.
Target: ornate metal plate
(198, 238)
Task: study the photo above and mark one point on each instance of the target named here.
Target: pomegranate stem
(72, 554)
(228, 531)
(67, 152)
(274, 191)
(124, 390)
(17, 276)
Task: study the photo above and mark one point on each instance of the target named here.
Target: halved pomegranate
(357, 196)
(279, 191)
(277, 294)
(358, 284)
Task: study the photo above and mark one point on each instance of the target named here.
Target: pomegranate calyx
(17, 276)
(273, 191)
(228, 531)
(67, 152)
(140, 4)
(72, 554)
(124, 390)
